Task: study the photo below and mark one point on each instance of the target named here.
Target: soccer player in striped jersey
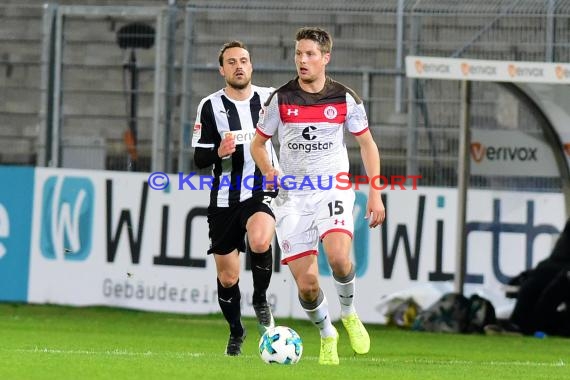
(239, 206)
(311, 114)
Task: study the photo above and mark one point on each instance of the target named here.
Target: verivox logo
(439, 68)
(67, 218)
(470, 69)
(503, 153)
(518, 71)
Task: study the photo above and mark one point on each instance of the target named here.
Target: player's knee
(340, 264)
(259, 245)
(308, 287)
(308, 293)
(228, 279)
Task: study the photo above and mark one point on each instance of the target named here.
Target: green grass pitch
(54, 342)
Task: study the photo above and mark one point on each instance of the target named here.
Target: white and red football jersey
(311, 129)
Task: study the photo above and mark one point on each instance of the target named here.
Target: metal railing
(68, 85)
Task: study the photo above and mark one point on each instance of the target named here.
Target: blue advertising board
(16, 205)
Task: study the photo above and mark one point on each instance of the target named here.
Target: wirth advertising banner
(108, 238)
(104, 238)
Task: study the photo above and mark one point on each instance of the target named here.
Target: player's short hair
(320, 36)
(229, 45)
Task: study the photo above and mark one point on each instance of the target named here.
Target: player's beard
(239, 84)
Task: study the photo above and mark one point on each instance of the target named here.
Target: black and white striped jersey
(236, 178)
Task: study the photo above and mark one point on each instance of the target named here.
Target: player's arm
(375, 211)
(262, 160)
(209, 148)
(266, 127)
(259, 153)
(357, 124)
(204, 157)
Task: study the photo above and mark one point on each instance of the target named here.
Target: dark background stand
(133, 36)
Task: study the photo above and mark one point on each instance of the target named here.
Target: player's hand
(271, 181)
(375, 211)
(227, 146)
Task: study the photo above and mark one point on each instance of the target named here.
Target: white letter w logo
(67, 220)
(63, 225)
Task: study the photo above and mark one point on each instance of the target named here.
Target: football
(281, 345)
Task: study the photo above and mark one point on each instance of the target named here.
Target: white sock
(345, 290)
(321, 318)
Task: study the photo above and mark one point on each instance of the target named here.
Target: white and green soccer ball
(281, 345)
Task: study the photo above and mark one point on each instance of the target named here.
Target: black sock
(261, 270)
(230, 300)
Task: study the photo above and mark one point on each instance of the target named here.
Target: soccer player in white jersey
(239, 206)
(310, 114)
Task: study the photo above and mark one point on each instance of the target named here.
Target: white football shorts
(301, 220)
